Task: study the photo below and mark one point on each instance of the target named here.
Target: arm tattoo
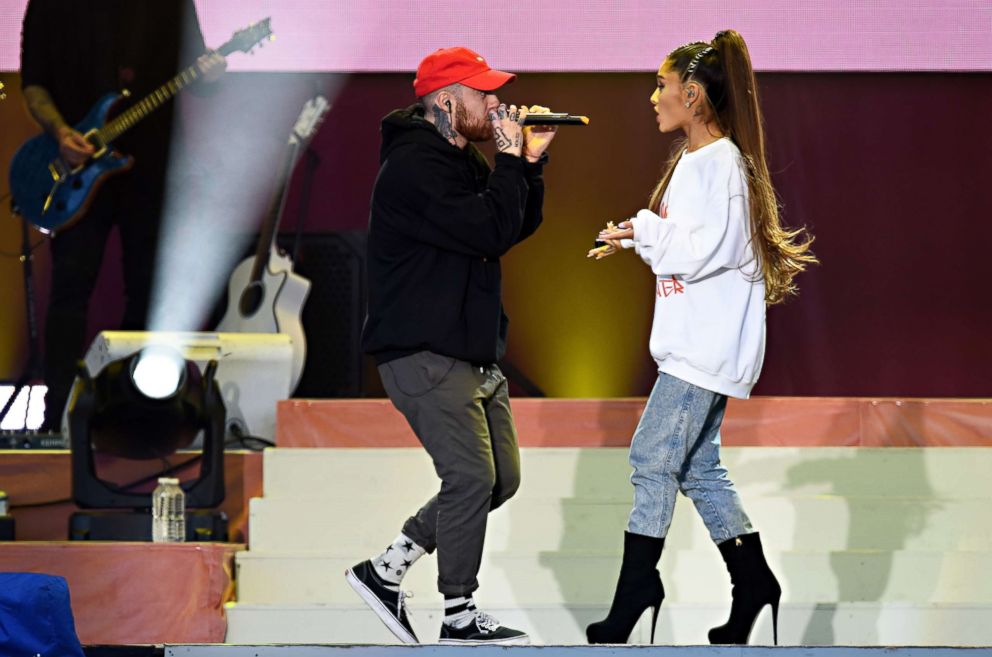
(442, 121)
(42, 108)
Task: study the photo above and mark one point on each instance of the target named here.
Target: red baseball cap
(450, 65)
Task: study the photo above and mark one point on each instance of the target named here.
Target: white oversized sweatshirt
(709, 313)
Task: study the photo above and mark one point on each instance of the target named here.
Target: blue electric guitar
(52, 195)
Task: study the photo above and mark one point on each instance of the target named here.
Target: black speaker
(334, 311)
(123, 651)
(7, 528)
(201, 525)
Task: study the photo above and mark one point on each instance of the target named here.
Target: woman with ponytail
(712, 237)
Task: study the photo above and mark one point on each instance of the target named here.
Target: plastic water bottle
(168, 512)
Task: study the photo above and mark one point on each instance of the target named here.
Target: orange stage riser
(757, 422)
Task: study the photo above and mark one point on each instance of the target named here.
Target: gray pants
(461, 414)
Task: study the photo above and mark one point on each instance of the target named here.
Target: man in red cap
(441, 218)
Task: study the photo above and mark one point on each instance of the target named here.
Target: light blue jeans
(677, 447)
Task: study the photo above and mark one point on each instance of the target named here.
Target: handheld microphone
(555, 118)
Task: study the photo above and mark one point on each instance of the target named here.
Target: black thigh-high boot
(754, 586)
(638, 588)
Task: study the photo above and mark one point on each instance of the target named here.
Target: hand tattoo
(502, 141)
(442, 121)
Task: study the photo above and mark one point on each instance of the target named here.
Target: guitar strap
(128, 45)
(144, 33)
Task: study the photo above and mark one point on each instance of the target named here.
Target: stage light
(254, 370)
(158, 372)
(145, 395)
(145, 406)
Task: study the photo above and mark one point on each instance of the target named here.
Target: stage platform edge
(433, 650)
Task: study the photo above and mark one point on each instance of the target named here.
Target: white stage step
(601, 474)
(678, 624)
(872, 546)
(689, 576)
(823, 523)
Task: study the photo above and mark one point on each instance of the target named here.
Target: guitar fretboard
(115, 128)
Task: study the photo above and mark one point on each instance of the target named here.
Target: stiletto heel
(654, 619)
(775, 620)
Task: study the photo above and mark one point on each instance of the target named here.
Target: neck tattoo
(442, 121)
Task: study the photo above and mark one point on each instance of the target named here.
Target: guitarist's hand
(212, 65)
(73, 147)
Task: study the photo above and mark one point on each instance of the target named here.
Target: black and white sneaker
(484, 629)
(387, 604)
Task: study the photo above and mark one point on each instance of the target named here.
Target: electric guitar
(264, 294)
(52, 195)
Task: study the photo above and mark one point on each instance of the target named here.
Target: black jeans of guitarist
(134, 205)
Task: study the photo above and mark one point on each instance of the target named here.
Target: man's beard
(474, 131)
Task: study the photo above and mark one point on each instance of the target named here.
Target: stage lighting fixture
(158, 372)
(146, 406)
(254, 370)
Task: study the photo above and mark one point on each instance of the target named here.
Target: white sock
(396, 559)
(459, 610)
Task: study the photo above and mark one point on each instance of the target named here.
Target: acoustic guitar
(264, 294)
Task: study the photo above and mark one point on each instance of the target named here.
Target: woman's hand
(600, 252)
(623, 231)
(611, 236)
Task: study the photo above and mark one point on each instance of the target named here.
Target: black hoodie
(440, 220)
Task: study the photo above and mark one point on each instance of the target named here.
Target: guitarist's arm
(38, 72)
(74, 149)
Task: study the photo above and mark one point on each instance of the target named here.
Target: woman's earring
(688, 104)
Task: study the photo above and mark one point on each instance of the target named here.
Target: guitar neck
(243, 40)
(120, 124)
(303, 131)
(267, 236)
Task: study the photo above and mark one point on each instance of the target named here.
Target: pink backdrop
(592, 35)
